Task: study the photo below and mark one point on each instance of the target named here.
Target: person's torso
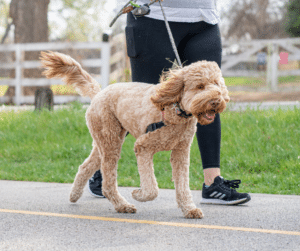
(184, 10)
(199, 4)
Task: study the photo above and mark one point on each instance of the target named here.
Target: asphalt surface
(39, 216)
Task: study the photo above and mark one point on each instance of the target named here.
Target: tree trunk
(31, 26)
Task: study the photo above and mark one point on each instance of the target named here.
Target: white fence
(247, 52)
(118, 59)
(113, 53)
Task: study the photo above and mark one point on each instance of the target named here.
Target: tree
(30, 19)
(256, 19)
(293, 18)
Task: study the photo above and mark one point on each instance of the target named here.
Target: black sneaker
(95, 185)
(223, 192)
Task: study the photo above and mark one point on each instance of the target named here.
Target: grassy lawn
(259, 147)
(244, 81)
(57, 90)
(3, 89)
(253, 81)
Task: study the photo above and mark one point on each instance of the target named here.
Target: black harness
(155, 126)
(179, 112)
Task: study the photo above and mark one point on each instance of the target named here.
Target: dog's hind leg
(109, 183)
(180, 171)
(109, 136)
(85, 171)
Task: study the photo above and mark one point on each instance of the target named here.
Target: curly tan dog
(184, 96)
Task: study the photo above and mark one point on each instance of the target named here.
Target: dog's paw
(74, 197)
(131, 209)
(195, 213)
(139, 195)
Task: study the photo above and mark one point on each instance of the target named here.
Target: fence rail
(113, 62)
(105, 63)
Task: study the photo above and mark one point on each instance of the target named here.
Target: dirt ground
(263, 96)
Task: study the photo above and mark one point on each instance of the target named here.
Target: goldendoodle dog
(184, 96)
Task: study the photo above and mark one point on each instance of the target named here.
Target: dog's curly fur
(130, 107)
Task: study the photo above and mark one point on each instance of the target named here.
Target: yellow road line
(161, 223)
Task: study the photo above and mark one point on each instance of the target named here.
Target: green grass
(259, 147)
(3, 89)
(255, 81)
(244, 81)
(288, 79)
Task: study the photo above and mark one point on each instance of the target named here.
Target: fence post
(272, 67)
(19, 74)
(105, 59)
(275, 59)
(269, 66)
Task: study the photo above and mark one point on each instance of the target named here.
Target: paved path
(38, 216)
(232, 106)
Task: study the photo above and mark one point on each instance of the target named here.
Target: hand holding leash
(137, 10)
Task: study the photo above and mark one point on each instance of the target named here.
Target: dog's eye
(201, 87)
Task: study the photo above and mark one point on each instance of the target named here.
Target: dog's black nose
(214, 103)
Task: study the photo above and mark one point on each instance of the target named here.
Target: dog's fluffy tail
(59, 65)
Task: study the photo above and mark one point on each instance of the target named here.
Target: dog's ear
(170, 89)
(225, 93)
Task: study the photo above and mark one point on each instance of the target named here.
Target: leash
(171, 36)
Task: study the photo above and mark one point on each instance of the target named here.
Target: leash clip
(135, 9)
(141, 11)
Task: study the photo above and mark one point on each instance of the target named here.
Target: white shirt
(189, 11)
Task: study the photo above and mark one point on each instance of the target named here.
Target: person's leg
(149, 49)
(206, 45)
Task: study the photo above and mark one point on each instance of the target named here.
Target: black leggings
(150, 52)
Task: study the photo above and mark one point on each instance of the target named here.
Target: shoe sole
(224, 202)
(95, 195)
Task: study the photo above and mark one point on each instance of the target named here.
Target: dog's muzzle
(205, 110)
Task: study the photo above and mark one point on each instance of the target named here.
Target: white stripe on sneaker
(218, 195)
(212, 194)
(222, 196)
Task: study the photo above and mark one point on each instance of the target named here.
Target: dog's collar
(180, 112)
(161, 124)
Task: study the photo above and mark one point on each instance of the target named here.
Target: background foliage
(293, 18)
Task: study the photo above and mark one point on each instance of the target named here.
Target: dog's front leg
(180, 159)
(149, 187)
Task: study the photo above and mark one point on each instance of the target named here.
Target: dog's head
(199, 89)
